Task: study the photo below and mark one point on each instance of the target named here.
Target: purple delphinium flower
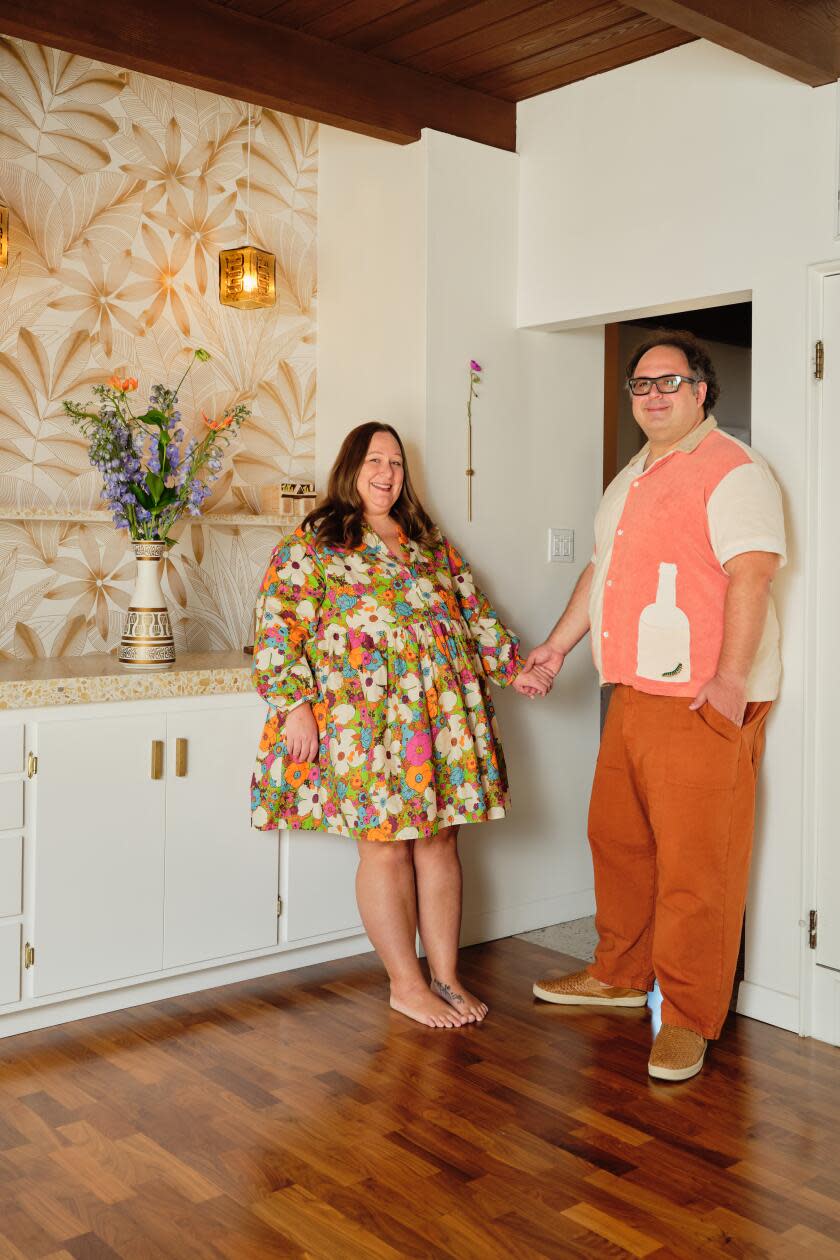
(150, 474)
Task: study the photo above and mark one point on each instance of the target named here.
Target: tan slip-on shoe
(677, 1054)
(581, 989)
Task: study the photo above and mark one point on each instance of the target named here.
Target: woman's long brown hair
(339, 519)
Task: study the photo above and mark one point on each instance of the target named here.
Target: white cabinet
(145, 857)
(99, 832)
(129, 867)
(9, 962)
(221, 875)
(11, 859)
(11, 875)
(321, 884)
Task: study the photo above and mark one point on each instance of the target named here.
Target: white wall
(372, 292)
(742, 203)
(417, 267)
(537, 455)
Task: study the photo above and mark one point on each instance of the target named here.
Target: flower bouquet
(151, 476)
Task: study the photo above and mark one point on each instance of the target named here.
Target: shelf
(104, 517)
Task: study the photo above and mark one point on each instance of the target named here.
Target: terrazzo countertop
(99, 678)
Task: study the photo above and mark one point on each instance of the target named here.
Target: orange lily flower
(122, 385)
(216, 425)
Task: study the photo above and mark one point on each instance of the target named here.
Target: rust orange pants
(671, 828)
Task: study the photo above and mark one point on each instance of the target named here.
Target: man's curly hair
(699, 360)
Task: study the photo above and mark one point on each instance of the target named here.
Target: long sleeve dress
(394, 658)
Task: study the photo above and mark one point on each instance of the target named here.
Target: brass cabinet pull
(181, 758)
(157, 758)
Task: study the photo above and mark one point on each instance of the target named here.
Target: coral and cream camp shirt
(662, 537)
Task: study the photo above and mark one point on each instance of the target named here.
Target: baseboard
(768, 1006)
(491, 925)
(52, 1011)
(488, 926)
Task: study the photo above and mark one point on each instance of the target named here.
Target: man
(677, 598)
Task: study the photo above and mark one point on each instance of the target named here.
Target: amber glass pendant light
(246, 274)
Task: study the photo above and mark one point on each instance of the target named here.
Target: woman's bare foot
(471, 1008)
(421, 1004)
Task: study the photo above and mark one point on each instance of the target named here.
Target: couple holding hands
(374, 651)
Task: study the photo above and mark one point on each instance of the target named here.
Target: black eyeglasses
(640, 385)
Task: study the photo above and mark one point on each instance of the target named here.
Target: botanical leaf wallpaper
(122, 189)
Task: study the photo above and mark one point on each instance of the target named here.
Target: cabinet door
(321, 885)
(9, 962)
(221, 875)
(98, 852)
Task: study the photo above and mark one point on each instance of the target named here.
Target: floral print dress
(394, 657)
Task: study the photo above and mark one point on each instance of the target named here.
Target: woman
(373, 649)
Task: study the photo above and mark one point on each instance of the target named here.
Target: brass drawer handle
(157, 758)
(181, 758)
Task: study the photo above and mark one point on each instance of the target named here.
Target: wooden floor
(296, 1116)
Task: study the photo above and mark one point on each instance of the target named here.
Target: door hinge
(819, 361)
(31, 766)
(812, 930)
(279, 906)
(28, 955)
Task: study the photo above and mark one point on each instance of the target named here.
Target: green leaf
(154, 416)
(155, 485)
(145, 500)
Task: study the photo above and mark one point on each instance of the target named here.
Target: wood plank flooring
(297, 1116)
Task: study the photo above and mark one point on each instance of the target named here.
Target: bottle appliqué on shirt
(664, 651)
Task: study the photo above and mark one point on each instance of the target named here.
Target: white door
(221, 875)
(827, 768)
(98, 852)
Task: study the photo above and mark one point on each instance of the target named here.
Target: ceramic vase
(147, 641)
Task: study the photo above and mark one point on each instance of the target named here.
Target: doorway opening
(726, 330)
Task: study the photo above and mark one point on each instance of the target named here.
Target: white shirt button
(609, 581)
(635, 483)
(619, 532)
(606, 634)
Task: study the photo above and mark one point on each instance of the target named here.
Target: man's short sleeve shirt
(662, 537)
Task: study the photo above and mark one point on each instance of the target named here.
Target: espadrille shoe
(677, 1054)
(581, 989)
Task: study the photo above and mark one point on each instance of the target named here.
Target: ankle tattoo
(444, 991)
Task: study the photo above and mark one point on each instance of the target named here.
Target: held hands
(727, 695)
(542, 665)
(301, 731)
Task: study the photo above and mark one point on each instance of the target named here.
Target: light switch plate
(561, 546)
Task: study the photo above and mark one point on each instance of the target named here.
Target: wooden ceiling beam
(799, 38)
(206, 46)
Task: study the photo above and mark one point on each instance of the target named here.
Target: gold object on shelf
(181, 758)
(246, 278)
(4, 236)
(157, 759)
(31, 766)
(248, 649)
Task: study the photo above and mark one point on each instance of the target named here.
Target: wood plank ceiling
(511, 49)
(389, 68)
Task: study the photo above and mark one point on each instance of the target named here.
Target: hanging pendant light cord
(248, 182)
